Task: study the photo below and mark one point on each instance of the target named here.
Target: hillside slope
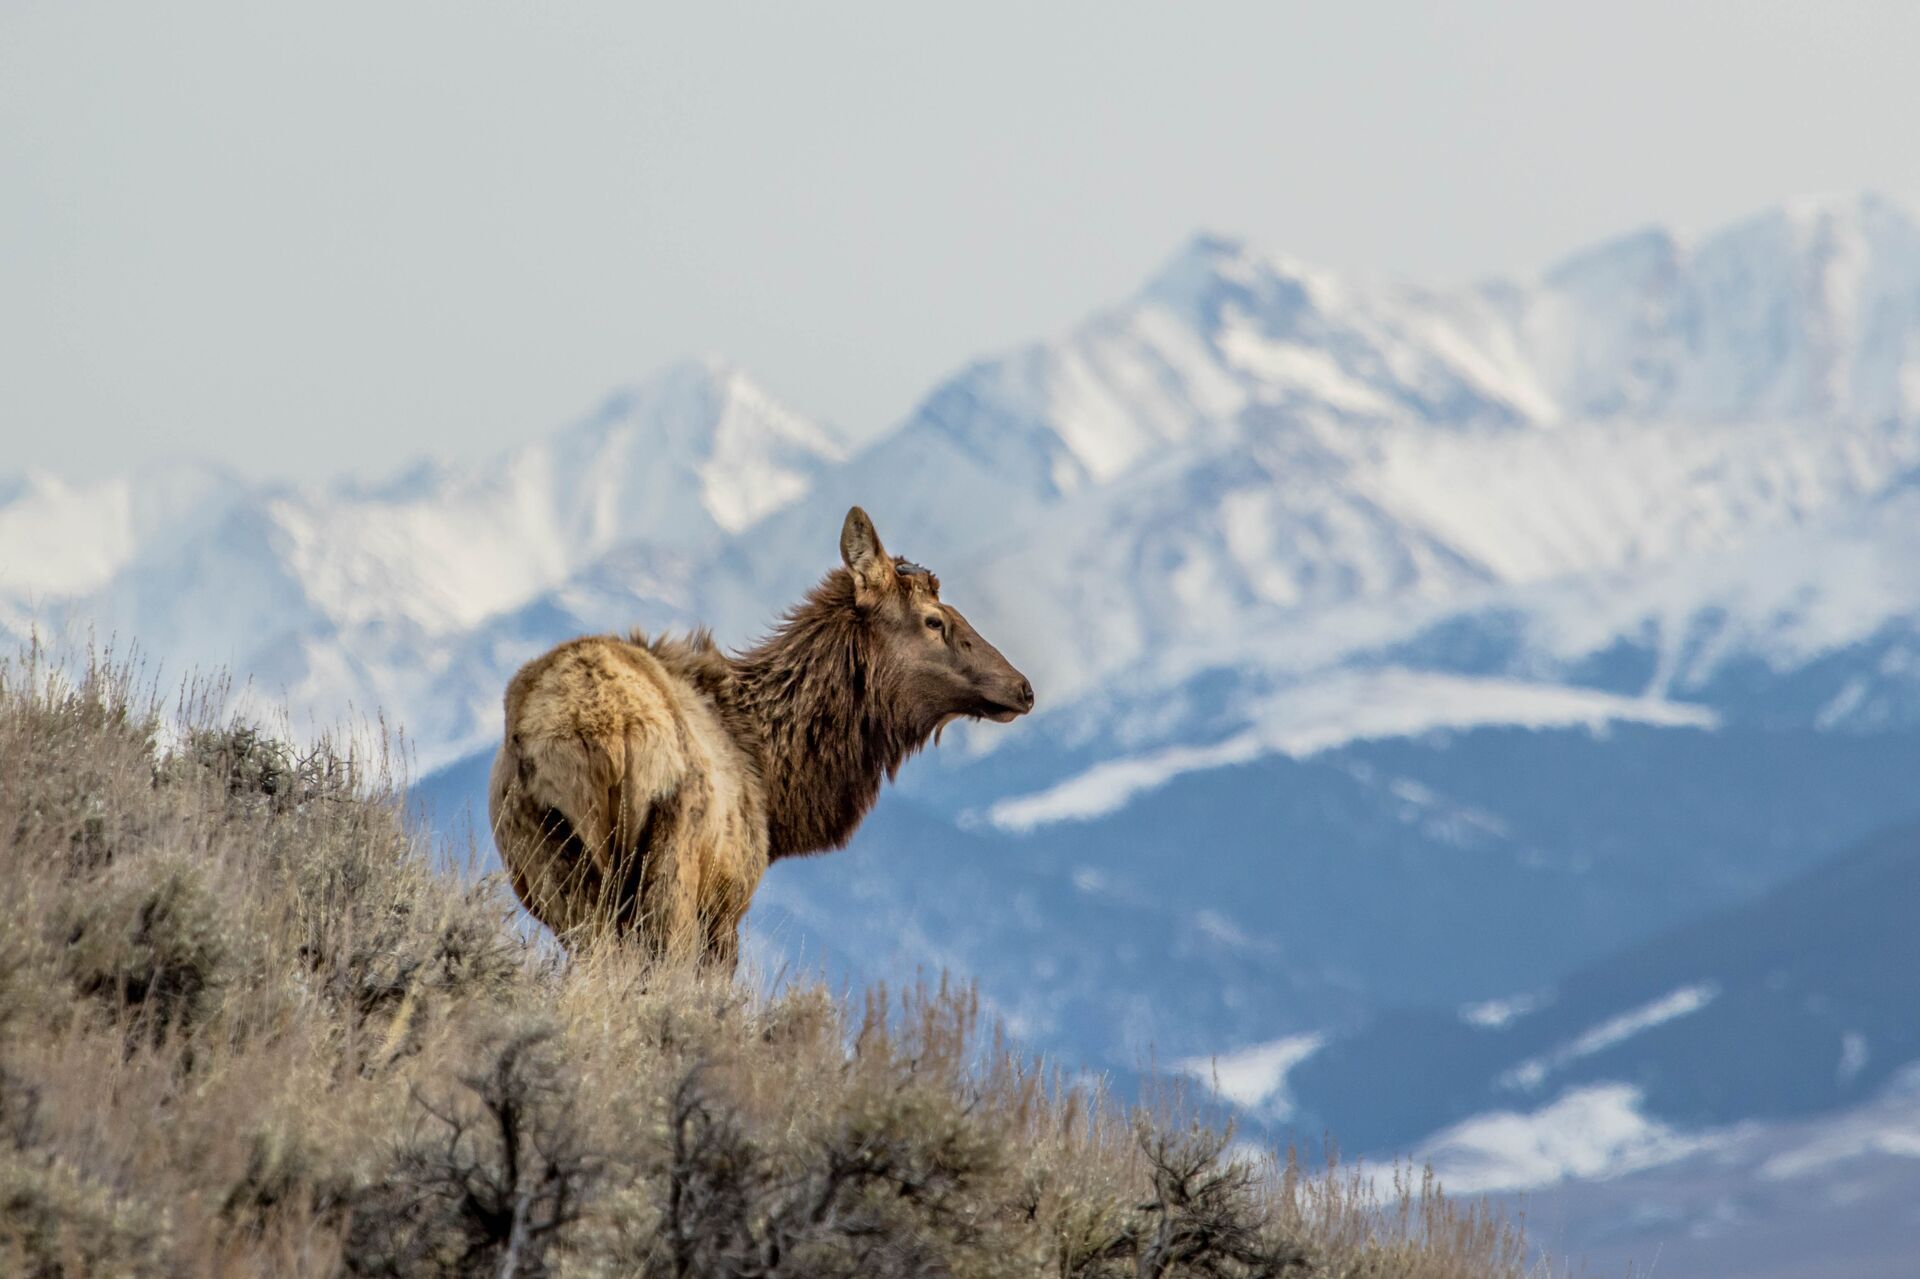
(1794, 1004)
(245, 1029)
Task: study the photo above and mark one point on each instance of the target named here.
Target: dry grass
(246, 1029)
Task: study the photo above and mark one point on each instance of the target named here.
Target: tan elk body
(644, 786)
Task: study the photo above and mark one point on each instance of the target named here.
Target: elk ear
(866, 559)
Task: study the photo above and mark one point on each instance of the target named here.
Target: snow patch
(1888, 1127)
(1533, 1072)
(1594, 1132)
(1495, 1013)
(1255, 1077)
(1331, 712)
(1854, 1055)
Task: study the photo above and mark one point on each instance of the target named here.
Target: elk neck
(827, 726)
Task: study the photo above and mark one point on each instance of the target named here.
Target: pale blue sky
(331, 237)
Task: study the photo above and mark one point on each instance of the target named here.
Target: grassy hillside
(247, 1029)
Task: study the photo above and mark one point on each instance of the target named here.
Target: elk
(644, 785)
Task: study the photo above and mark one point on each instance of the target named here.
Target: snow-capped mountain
(1248, 464)
(368, 595)
(1254, 463)
(1398, 648)
(1806, 310)
(60, 539)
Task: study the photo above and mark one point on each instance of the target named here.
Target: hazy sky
(308, 239)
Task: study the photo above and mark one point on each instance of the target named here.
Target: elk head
(928, 662)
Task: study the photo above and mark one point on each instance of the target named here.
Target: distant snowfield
(1347, 706)
(63, 539)
(1585, 497)
(1256, 1077)
(1531, 1074)
(1889, 1126)
(1492, 1014)
(1828, 1196)
(1591, 1132)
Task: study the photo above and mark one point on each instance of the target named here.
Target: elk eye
(934, 623)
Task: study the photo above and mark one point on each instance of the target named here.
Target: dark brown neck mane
(813, 706)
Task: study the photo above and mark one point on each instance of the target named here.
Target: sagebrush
(248, 1028)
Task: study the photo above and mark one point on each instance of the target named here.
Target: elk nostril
(1026, 693)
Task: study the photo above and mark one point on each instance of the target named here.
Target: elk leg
(629, 882)
(668, 904)
(723, 943)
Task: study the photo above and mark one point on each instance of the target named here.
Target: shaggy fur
(644, 785)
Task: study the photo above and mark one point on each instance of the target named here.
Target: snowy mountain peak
(1865, 209)
(680, 404)
(1810, 308)
(1213, 275)
(704, 420)
(358, 592)
(1631, 256)
(62, 537)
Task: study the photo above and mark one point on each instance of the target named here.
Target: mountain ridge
(1244, 444)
